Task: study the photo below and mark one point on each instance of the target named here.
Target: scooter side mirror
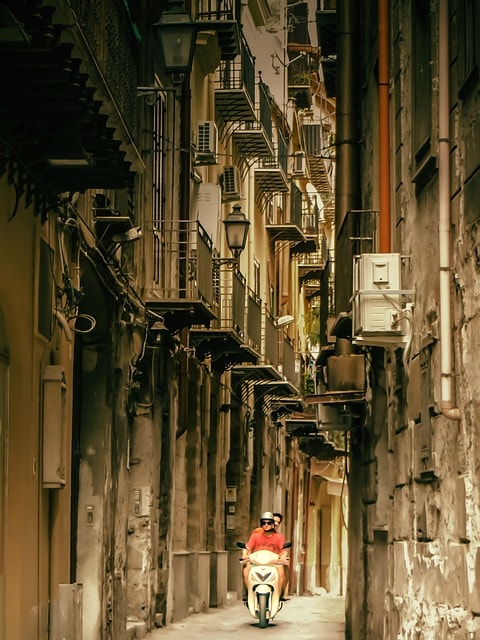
(287, 545)
(242, 545)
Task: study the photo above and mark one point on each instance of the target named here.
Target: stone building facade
(407, 157)
(151, 383)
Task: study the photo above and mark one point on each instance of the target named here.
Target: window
(468, 42)
(256, 278)
(425, 462)
(424, 162)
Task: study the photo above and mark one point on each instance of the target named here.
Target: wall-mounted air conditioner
(299, 164)
(207, 143)
(231, 189)
(379, 309)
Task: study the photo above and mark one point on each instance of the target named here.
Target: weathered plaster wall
(414, 525)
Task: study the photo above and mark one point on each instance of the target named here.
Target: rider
(266, 538)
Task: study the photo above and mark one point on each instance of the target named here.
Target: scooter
(263, 599)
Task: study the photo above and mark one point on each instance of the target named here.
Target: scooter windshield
(263, 556)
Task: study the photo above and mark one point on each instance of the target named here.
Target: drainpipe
(184, 215)
(384, 130)
(447, 405)
(307, 527)
(293, 525)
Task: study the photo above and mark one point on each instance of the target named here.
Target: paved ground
(302, 618)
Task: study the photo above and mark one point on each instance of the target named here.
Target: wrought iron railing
(182, 256)
(279, 159)
(254, 321)
(270, 336)
(216, 10)
(304, 211)
(238, 73)
(230, 292)
(287, 358)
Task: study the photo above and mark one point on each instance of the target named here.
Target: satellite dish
(284, 320)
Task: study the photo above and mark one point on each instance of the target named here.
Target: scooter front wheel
(262, 610)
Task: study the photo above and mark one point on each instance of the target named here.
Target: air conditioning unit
(299, 164)
(207, 143)
(379, 312)
(231, 183)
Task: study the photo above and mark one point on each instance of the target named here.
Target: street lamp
(176, 32)
(236, 230)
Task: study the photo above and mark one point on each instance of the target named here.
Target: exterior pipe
(64, 324)
(448, 408)
(383, 121)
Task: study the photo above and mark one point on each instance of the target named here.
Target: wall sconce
(176, 32)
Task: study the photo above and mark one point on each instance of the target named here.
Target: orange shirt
(258, 540)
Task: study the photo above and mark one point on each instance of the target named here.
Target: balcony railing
(254, 321)
(287, 358)
(304, 211)
(183, 267)
(271, 175)
(224, 341)
(235, 88)
(58, 75)
(232, 292)
(270, 336)
(254, 139)
(222, 16)
(320, 151)
(311, 265)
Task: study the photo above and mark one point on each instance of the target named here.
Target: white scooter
(263, 600)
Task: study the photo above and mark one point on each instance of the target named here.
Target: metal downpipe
(384, 129)
(446, 349)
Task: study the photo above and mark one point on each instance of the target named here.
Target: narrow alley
(303, 617)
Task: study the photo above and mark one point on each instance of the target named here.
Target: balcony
(223, 17)
(182, 289)
(287, 228)
(254, 139)
(57, 86)
(274, 380)
(271, 175)
(303, 61)
(254, 321)
(225, 341)
(318, 147)
(304, 207)
(287, 360)
(235, 88)
(312, 265)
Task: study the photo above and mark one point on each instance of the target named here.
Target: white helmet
(267, 515)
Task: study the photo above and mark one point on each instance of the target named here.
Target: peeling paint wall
(414, 523)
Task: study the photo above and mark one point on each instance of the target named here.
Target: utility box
(346, 373)
(54, 408)
(377, 297)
